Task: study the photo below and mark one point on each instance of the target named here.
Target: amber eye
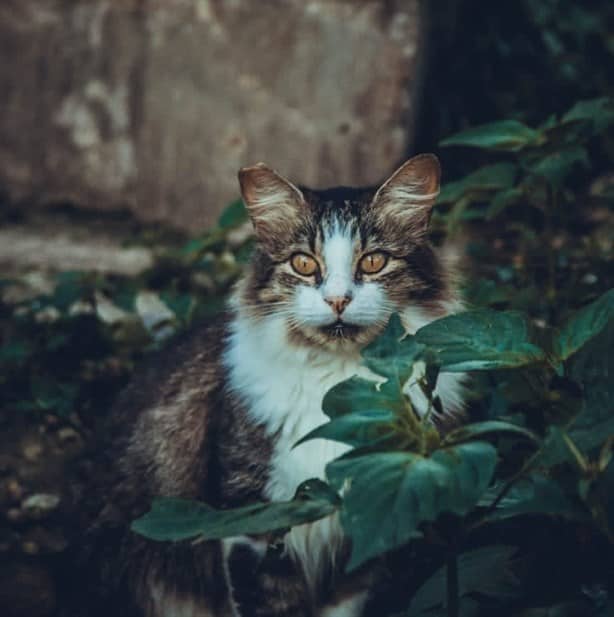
(373, 262)
(304, 264)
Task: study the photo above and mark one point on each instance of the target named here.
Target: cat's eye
(373, 262)
(304, 264)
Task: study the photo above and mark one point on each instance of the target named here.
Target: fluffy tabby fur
(215, 417)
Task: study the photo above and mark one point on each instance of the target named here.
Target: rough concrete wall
(154, 104)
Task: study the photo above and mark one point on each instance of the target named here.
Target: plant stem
(452, 585)
(550, 211)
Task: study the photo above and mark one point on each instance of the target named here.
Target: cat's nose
(338, 303)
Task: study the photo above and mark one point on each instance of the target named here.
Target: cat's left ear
(406, 199)
(274, 204)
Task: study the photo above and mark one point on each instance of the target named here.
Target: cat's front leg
(265, 583)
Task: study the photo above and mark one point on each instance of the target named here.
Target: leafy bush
(401, 476)
(69, 348)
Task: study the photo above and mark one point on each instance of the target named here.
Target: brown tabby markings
(181, 431)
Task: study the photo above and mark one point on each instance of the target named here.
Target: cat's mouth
(340, 329)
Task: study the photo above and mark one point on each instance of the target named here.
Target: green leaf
(592, 366)
(356, 429)
(360, 395)
(556, 166)
(584, 325)
(233, 216)
(507, 135)
(393, 353)
(410, 489)
(180, 519)
(479, 429)
(485, 571)
(599, 112)
(482, 181)
(480, 340)
(533, 494)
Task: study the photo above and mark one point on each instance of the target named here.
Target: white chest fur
(283, 387)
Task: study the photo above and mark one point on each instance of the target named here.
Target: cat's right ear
(274, 204)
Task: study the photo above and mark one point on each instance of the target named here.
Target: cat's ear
(406, 199)
(274, 203)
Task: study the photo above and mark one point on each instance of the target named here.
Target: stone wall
(153, 105)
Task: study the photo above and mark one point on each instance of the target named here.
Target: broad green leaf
(482, 181)
(180, 519)
(391, 493)
(233, 215)
(485, 571)
(479, 429)
(393, 353)
(510, 135)
(556, 166)
(592, 366)
(533, 494)
(480, 340)
(599, 112)
(356, 429)
(361, 395)
(584, 325)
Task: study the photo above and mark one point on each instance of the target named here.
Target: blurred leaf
(482, 181)
(510, 135)
(180, 519)
(212, 240)
(533, 494)
(233, 215)
(182, 305)
(599, 112)
(480, 340)
(555, 167)
(411, 489)
(485, 571)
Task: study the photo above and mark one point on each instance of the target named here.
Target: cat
(216, 417)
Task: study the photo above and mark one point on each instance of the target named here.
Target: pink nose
(338, 303)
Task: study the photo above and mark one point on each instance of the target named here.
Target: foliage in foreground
(400, 476)
(543, 446)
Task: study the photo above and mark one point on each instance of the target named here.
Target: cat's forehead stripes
(337, 212)
(338, 250)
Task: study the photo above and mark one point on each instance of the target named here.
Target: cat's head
(334, 264)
